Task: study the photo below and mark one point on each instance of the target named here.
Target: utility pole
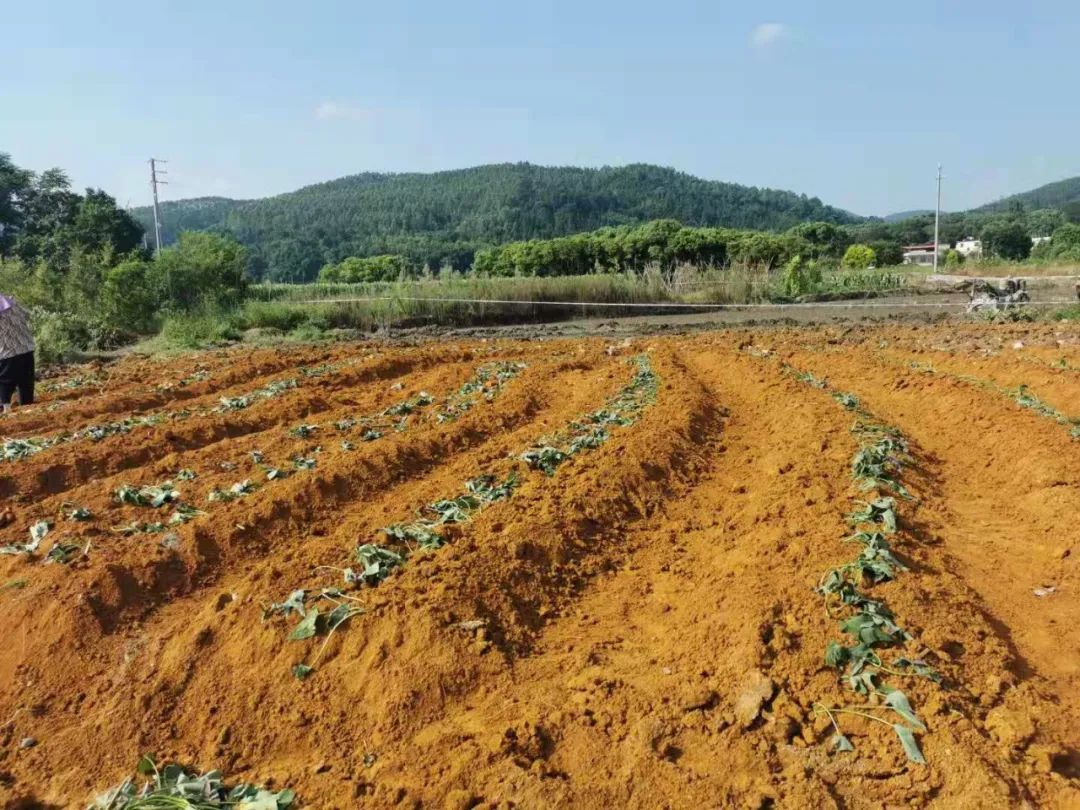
(154, 183)
(937, 217)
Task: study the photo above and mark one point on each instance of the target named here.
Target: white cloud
(769, 33)
(340, 111)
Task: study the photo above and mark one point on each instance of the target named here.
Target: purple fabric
(6, 303)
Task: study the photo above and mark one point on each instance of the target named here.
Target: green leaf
(285, 798)
(146, 766)
(301, 671)
(911, 745)
(898, 702)
(307, 627)
(842, 743)
(836, 655)
(339, 615)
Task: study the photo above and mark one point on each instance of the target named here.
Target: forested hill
(445, 217)
(1063, 195)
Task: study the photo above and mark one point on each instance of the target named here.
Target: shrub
(59, 336)
(127, 298)
(274, 315)
(371, 268)
(1007, 239)
(194, 330)
(953, 258)
(858, 257)
(800, 277)
(203, 269)
(1065, 244)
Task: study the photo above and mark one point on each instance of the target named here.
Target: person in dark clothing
(16, 353)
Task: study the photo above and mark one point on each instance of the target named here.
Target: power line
(154, 183)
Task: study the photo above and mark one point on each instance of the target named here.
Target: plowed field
(638, 613)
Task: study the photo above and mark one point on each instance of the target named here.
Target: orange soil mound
(640, 629)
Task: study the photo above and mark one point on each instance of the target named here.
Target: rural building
(969, 247)
(922, 254)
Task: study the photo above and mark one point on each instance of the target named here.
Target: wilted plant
(37, 533)
(152, 496)
(377, 562)
(172, 788)
(303, 431)
(237, 490)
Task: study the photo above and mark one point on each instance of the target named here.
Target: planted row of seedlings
(171, 785)
(1021, 395)
(870, 626)
(486, 383)
(431, 529)
(19, 449)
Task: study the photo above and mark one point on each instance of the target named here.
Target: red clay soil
(640, 629)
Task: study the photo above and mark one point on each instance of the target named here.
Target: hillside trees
(443, 219)
(1007, 239)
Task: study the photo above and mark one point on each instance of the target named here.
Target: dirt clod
(757, 688)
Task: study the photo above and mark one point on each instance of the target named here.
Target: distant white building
(1038, 240)
(969, 247)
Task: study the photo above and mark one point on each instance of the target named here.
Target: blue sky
(853, 102)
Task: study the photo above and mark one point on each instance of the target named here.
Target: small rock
(1062, 552)
(1043, 592)
(757, 690)
(322, 767)
(27, 742)
(1018, 344)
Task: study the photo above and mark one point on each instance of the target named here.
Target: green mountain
(900, 216)
(443, 218)
(1063, 195)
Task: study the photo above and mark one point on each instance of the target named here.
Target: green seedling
(62, 552)
(303, 431)
(849, 401)
(546, 458)
(73, 511)
(377, 563)
(234, 403)
(18, 449)
(37, 533)
(139, 528)
(237, 490)
(184, 513)
(409, 405)
(151, 496)
(171, 788)
(419, 533)
(880, 512)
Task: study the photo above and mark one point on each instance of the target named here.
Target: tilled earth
(640, 628)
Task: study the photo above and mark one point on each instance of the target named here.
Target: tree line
(79, 263)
